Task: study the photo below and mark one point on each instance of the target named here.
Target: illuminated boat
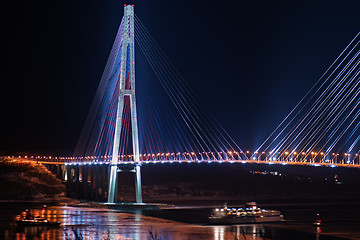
(317, 221)
(250, 214)
(35, 221)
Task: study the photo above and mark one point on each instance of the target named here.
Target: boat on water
(250, 214)
(26, 219)
(35, 221)
(317, 222)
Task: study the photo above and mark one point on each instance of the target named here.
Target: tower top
(128, 10)
(128, 3)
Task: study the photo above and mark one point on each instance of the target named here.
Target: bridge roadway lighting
(294, 153)
(246, 154)
(312, 157)
(348, 158)
(287, 156)
(236, 153)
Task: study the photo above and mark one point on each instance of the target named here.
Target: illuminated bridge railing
(209, 161)
(308, 159)
(165, 157)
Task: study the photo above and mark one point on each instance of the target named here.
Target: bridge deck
(229, 161)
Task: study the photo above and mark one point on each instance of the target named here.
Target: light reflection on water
(86, 223)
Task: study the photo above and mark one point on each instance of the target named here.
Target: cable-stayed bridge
(163, 121)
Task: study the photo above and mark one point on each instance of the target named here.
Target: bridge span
(191, 158)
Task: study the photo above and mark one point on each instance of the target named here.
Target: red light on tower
(124, 5)
(133, 5)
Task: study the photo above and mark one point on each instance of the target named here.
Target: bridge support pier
(113, 181)
(85, 181)
(138, 184)
(58, 171)
(91, 185)
(96, 185)
(103, 182)
(112, 184)
(77, 179)
(65, 174)
(68, 174)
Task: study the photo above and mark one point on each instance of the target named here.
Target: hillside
(27, 181)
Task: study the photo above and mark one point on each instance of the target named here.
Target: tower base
(113, 186)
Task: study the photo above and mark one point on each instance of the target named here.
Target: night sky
(251, 61)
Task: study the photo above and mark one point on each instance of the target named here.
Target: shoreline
(44, 201)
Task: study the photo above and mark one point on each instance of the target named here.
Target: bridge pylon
(126, 96)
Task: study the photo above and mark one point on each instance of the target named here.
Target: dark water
(86, 223)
